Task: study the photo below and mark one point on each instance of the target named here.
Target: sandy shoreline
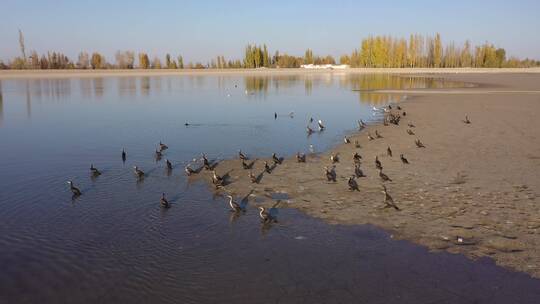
(473, 190)
(33, 74)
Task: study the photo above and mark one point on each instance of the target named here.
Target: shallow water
(115, 244)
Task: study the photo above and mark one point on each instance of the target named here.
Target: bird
(404, 113)
(321, 126)
(357, 144)
(301, 158)
(276, 159)
(169, 165)
(389, 151)
(384, 177)
(334, 158)
(265, 216)
(267, 168)
(410, 125)
(358, 171)
(353, 185)
(275, 114)
(378, 163)
(164, 202)
(370, 137)
(241, 155)
(410, 132)
(346, 140)
(235, 207)
(390, 107)
(466, 120)
(186, 124)
(206, 163)
(309, 130)
(310, 119)
(123, 155)
(94, 170)
(361, 125)
(244, 165)
(252, 177)
(330, 174)
(399, 108)
(189, 171)
(356, 157)
(377, 134)
(216, 179)
(162, 146)
(74, 189)
(138, 172)
(388, 200)
(403, 159)
(419, 144)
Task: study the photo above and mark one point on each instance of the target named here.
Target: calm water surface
(115, 244)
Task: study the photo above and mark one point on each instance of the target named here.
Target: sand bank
(474, 189)
(18, 74)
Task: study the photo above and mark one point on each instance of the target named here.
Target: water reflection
(1, 104)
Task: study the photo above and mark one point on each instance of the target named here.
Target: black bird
(276, 159)
(169, 165)
(162, 146)
(253, 178)
(388, 200)
(358, 171)
(164, 202)
(377, 134)
(301, 158)
(378, 164)
(138, 172)
(275, 115)
(389, 151)
(399, 108)
(404, 113)
(206, 163)
(74, 189)
(330, 174)
(241, 155)
(419, 144)
(410, 132)
(235, 207)
(467, 121)
(353, 185)
(346, 140)
(403, 159)
(310, 119)
(410, 125)
(123, 155)
(356, 158)
(267, 168)
(334, 158)
(265, 216)
(189, 171)
(370, 137)
(186, 124)
(244, 165)
(384, 177)
(94, 170)
(390, 107)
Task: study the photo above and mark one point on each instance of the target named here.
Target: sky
(201, 30)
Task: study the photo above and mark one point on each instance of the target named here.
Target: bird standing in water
(235, 207)
(403, 159)
(267, 168)
(241, 155)
(356, 158)
(353, 185)
(74, 190)
(94, 170)
(384, 177)
(334, 158)
(164, 202)
(123, 155)
(321, 125)
(162, 146)
(139, 173)
(169, 164)
(330, 174)
(276, 159)
(358, 171)
(346, 140)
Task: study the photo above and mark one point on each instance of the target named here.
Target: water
(115, 244)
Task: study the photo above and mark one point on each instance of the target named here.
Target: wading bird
(334, 158)
(74, 189)
(388, 200)
(189, 171)
(346, 140)
(241, 155)
(321, 126)
(403, 159)
(358, 171)
(356, 158)
(419, 144)
(410, 132)
(378, 163)
(466, 120)
(162, 146)
(384, 177)
(276, 159)
(235, 207)
(389, 151)
(124, 155)
(330, 174)
(138, 172)
(94, 170)
(353, 185)
(377, 134)
(164, 202)
(301, 158)
(169, 164)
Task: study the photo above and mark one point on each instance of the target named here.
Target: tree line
(417, 51)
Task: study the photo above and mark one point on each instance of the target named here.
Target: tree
(466, 57)
(97, 61)
(21, 44)
(168, 61)
(308, 57)
(180, 62)
(437, 51)
(500, 54)
(144, 61)
(83, 61)
(156, 63)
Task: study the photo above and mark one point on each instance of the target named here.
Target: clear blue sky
(200, 30)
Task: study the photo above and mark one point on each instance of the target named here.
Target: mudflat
(474, 189)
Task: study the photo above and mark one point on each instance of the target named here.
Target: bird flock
(391, 116)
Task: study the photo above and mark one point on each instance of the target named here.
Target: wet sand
(474, 189)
